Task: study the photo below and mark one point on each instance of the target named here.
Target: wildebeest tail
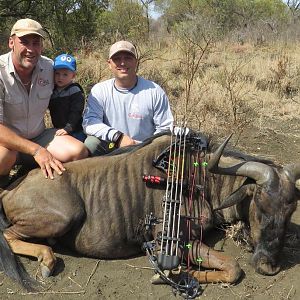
(10, 264)
(13, 268)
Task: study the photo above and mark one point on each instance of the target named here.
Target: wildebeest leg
(52, 219)
(228, 269)
(43, 253)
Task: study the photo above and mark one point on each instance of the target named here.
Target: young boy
(67, 101)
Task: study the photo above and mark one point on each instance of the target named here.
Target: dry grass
(240, 235)
(91, 69)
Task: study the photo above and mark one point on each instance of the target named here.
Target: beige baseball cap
(122, 46)
(27, 26)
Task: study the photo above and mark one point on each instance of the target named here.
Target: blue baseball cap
(65, 61)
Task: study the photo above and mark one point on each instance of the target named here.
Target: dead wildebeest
(97, 205)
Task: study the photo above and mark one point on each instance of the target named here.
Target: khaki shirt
(20, 111)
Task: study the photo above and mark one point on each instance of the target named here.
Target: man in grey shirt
(126, 109)
(26, 83)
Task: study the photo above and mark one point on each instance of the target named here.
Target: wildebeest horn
(293, 172)
(214, 160)
(235, 198)
(260, 172)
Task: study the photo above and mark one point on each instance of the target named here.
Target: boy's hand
(61, 132)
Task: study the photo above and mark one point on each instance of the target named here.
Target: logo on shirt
(135, 112)
(43, 82)
(135, 116)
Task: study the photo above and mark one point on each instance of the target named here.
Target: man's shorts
(43, 140)
(97, 146)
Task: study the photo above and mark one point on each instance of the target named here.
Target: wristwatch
(117, 137)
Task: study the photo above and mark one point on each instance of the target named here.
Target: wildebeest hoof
(156, 279)
(46, 272)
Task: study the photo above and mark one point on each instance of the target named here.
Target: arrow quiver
(175, 162)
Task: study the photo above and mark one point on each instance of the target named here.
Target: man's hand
(127, 141)
(48, 163)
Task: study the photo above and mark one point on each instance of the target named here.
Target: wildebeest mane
(133, 148)
(211, 146)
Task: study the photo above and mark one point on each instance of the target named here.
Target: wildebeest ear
(297, 184)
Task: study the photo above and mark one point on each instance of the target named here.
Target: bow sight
(172, 161)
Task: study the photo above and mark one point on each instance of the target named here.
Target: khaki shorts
(43, 140)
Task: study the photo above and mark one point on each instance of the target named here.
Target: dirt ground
(83, 278)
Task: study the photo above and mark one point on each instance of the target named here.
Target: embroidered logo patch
(43, 82)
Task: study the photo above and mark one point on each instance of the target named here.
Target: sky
(154, 15)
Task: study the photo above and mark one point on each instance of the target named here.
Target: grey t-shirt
(139, 112)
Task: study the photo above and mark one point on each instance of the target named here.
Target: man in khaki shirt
(26, 83)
